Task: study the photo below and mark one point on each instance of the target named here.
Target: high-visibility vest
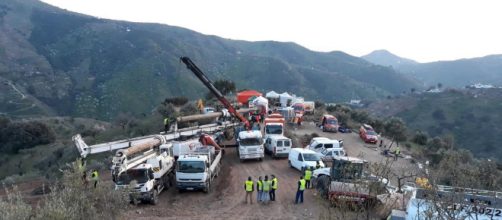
(166, 121)
(274, 183)
(266, 185)
(302, 184)
(398, 151)
(249, 186)
(95, 175)
(260, 185)
(308, 174)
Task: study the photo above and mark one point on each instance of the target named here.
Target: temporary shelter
(243, 97)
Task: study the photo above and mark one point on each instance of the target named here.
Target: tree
(224, 86)
(440, 85)
(396, 129)
(177, 101)
(125, 120)
(420, 138)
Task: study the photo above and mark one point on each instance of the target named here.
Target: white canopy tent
(272, 94)
(261, 101)
(284, 98)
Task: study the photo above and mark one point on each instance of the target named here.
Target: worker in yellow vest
(308, 176)
(301, 188)
(274, 188)
(248, 186)
(259, 189)
(266, 190)
(167, 124)
(95, 177)
(397, 152)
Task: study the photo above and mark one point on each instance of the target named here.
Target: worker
(381, 142)
(299, 192)
(95, 177)
(397, 152)
(308, 176)
(274, 188)
(317, 165)
(259, 189)
(248, 186)
(266, 189)
(167, 124)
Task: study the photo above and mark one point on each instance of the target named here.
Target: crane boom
(207, 82)
(149, 140)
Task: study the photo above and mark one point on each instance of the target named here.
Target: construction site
(198, 172)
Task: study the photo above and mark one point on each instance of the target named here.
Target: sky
(422, 30)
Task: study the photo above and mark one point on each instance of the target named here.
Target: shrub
(420, 138)
(177, 101)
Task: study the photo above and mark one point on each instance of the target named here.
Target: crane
(209, 84)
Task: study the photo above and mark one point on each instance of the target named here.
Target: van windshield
(310, 157)
(371, 133)
(332, 121)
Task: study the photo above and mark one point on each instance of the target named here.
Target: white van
(329, 153)
(277, 145)
(300, 158)
(319, 144)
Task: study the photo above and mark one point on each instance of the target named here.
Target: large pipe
(209, 115)
(147, 145)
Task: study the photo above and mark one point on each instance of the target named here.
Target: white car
(319, 144)
(329, 153)
(300, 159)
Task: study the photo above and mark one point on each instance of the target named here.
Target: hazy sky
(423, 30)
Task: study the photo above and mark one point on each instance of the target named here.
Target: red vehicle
(367, 133)
(329, 123)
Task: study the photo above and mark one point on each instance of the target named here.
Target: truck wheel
(155, 197)
(290, 165)
(207, 188)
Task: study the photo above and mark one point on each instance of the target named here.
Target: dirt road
(226, 201)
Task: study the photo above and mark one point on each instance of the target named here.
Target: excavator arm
(207, 82)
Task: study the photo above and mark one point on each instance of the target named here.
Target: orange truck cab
(329, 123)
(367, 133)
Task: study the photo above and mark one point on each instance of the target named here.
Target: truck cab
(192, 172)
(250, 145)
(278, 145)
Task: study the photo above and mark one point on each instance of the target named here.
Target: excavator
(250, 140)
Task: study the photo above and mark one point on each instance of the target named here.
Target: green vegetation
(81, 66)
(471, 117)
(15, 136)
(69, 198)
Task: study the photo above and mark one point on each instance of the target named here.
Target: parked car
(318, 144)
(328, 154)
(343, 128)
(368, 135)
(300, 159)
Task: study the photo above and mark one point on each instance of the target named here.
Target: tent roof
(249, 93)
(272, 94)
(285, 94)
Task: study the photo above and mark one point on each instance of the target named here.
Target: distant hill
(386, 58)
(55, 62)
(472, 116)
(456, 73)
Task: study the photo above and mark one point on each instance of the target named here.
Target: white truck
(250, 145)
(145, 171)
(197, 169)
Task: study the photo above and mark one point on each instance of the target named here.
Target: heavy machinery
(346, 183)
(145, 164)
(198, 168)
(250, 141)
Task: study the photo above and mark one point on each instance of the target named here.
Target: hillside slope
(456, 73)
(471, 116)
(55, 62)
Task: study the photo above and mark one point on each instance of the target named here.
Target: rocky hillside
(55, 62)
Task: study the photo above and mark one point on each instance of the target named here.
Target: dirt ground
(226, 201)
